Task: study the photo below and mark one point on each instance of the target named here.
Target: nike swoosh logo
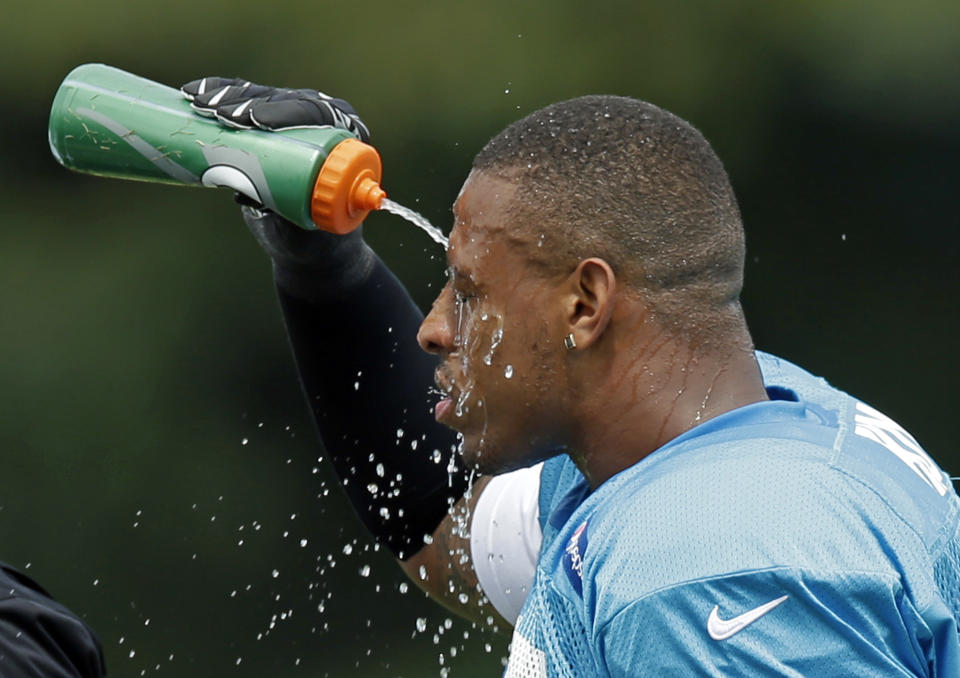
(721, 629)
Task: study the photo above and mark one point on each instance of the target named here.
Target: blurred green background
(160, 474)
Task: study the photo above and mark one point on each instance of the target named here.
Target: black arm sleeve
(39, 638)
(367, 383)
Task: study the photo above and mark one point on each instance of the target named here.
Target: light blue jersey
(805, 536)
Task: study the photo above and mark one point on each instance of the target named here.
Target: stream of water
(415, 218)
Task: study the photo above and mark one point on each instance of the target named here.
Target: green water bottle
(108, 122)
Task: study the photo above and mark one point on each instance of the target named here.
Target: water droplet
(508, 372)
(495, 340)
(421, 624)
(380, 469)
(244, 441)
(365, 571)
(275, 573)
(404, 587)
(303, 543)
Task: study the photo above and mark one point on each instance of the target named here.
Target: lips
(445, 405)
(442, 408)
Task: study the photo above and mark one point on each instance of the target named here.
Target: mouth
(445, 389)
(442, 409)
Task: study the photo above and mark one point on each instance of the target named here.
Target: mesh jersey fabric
(671, 567)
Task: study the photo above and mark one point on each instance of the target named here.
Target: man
(664, 500)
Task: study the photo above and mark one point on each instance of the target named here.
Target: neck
(652, 395)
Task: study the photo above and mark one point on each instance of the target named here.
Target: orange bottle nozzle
(347, 187)
(367, 194)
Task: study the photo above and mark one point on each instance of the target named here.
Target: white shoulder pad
(505, 538)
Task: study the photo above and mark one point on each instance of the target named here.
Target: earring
(570, 342)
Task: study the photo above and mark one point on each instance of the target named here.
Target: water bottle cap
(347, 187)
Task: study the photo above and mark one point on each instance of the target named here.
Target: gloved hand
(240, 103)
(312, 265)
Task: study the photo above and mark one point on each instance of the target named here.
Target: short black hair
(627, 181)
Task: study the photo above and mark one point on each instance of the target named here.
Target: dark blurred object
(41, 638)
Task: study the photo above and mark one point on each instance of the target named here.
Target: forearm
(367, 382)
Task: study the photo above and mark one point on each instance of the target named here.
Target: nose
(435, 334)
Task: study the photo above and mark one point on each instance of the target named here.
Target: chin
(481, 455)
(489, 457)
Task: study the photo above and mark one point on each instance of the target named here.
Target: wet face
(497, 325)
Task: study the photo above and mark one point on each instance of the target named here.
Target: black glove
(311, 265)
(240, 103)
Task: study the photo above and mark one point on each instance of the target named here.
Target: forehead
(482, 221)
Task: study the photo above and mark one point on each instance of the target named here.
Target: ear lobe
(592, 289)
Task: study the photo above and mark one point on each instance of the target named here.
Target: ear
(589, 302)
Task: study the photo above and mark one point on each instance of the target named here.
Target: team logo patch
(573, 557)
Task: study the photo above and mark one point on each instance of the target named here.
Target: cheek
(483, 336)
(490, 338)
(502, 346)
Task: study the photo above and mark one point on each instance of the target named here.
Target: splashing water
(494, 342)
(416, 219)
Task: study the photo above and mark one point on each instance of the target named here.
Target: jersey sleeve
(778, 622)
(505, 539)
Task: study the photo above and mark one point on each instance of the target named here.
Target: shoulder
(748, 505)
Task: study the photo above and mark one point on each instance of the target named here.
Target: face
(497, 326)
